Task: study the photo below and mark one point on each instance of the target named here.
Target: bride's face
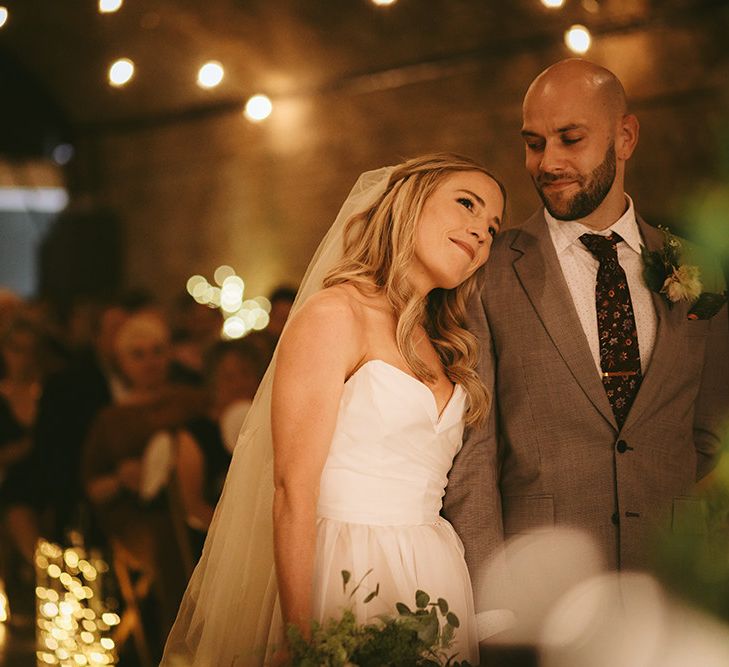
(454, 233)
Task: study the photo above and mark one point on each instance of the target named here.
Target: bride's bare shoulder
(335, 310)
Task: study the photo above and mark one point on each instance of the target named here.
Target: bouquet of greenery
(411, 638)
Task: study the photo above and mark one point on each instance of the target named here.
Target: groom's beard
(593, 189)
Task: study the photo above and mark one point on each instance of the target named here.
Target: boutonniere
(664, 273)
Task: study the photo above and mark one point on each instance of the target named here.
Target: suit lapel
(667, 343)
(540, 274)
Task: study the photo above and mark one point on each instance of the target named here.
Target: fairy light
(578, 39)
(73, 621)
(121, 72)
(4, 605)
(240, 316)
(258, 108)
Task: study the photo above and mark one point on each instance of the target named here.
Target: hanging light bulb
(121, 72)
(210, 74)
(578, 39)
(258, 108)
(109, 6)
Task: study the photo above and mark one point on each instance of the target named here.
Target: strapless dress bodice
(391, 452)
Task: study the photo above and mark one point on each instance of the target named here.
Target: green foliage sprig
(419, 638)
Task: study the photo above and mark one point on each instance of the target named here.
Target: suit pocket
(689, 516)
(525, 513)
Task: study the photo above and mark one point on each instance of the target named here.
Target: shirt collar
(567, 232)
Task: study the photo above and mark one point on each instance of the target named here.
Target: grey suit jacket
(551, 452)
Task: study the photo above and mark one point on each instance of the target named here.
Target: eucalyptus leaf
(453, 619)
(346, 576)
(443, 606)
(403, 609)
(422, 599)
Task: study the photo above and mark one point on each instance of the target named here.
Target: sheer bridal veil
(226, 613)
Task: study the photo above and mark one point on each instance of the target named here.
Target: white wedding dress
(380, 496)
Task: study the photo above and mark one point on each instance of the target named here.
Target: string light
(73, 621)
(241, 316)
(383, 3)
(3, 16)
(578, 39)
(258, 108)
(109, 6)
(210, 74)
(121, 72)
(553, 4)
(4, 605)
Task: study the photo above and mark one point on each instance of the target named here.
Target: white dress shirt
(579, 268)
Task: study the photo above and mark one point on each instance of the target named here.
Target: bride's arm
(321, 345)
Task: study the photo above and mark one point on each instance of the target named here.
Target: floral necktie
(619, 353)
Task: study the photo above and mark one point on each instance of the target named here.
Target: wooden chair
(135, 585)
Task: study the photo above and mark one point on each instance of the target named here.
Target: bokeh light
(3, 16)
(258, 108)
(578, 39)
(210, 75)
(121, 72)
(383, 3)
(109, 6)
(553, 4)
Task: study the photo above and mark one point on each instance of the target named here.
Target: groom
(607, 401)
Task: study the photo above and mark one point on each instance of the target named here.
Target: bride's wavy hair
(379, 245)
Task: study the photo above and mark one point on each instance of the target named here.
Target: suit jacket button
(622, 446)
(615, 518)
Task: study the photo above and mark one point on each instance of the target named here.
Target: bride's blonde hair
(379, 245)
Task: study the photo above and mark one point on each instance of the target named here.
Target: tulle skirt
(402, 560)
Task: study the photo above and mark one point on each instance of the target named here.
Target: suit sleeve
(711, 413)
(473, 501)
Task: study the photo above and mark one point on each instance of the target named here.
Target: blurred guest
(204, 447)
(115, 462)
(21, 349)
(70, 401)
(196, 328)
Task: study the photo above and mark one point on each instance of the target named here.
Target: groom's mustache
(546, 178)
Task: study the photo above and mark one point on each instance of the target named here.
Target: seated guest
(21, 375)
(112, 462)
(282, 299)
(234, 371)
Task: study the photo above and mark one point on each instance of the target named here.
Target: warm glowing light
(553, 4)
(258, 108)
(263, 303)
(4, 607)
(223, 272)
(578, 39)
(121, 72)
(3, 16)
(234, 327)
(261, 321)
(109, 6)
(383, 3)
(110, 619)
(210, 74)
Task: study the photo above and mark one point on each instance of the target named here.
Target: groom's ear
(627, 136)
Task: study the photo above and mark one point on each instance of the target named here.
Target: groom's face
(570, 155)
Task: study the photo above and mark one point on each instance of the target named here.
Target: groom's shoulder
(516, 234)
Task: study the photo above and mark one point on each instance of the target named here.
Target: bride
(367, 396)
